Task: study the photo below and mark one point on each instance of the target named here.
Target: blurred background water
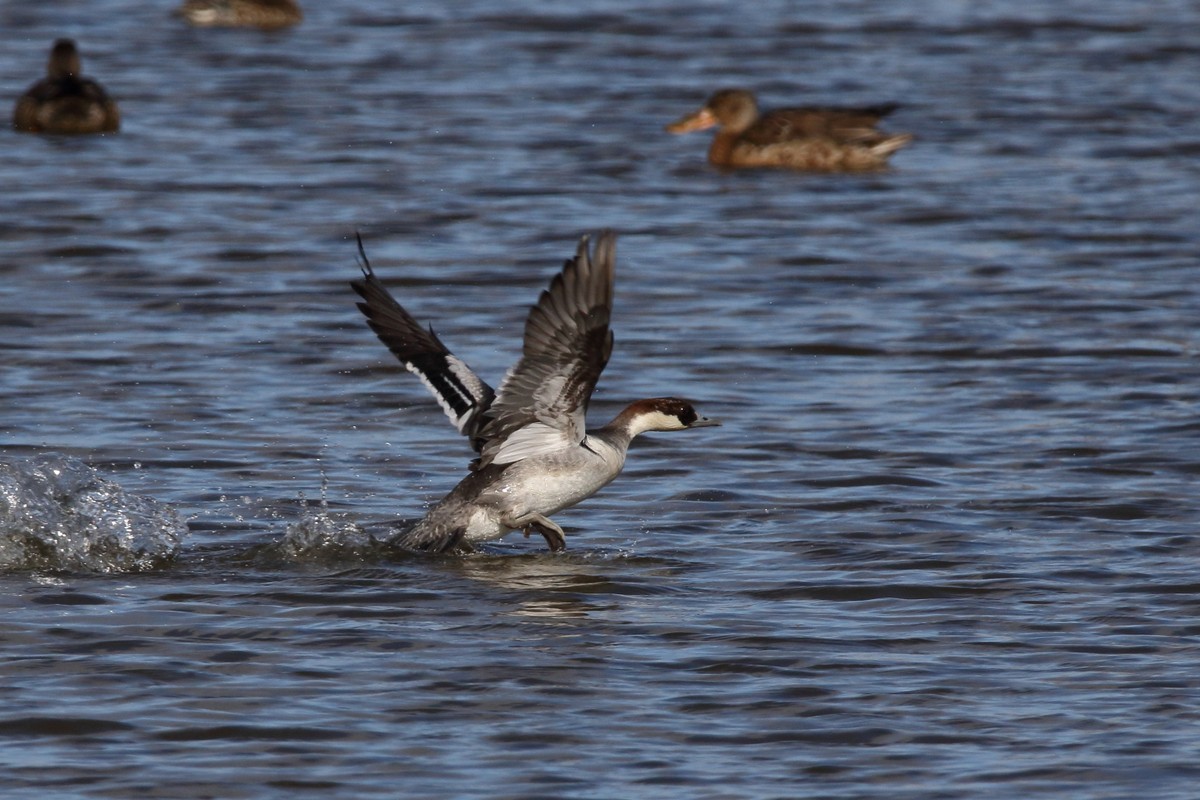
(944, 545)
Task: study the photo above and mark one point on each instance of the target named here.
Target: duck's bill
(705, 422)
(699, 121)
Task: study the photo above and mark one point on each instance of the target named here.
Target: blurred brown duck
(818, 139)
(64, 101)
(241, 13)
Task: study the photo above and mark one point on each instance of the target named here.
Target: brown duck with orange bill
(241, 13)
(817, 139)
(64, 101)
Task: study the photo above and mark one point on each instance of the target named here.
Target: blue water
(943, 547)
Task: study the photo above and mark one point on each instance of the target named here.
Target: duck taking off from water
(64, 101)
(535, 455)
(815, 139)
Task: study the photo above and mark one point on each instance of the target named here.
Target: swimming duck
(817, 139)
(64, 101)
(241, 13)
(535, 456)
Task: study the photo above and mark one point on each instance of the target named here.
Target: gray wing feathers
(542, 402)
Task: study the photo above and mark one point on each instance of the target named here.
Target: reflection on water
(549, 585)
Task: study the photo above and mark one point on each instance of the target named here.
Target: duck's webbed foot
(556, 540)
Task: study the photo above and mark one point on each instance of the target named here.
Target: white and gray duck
(535, 455)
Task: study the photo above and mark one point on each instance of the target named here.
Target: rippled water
(944, 545)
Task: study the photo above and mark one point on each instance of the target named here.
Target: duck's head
(664, 414)
(64, 59)
(730, 109)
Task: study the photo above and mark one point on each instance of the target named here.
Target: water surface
(944, 545)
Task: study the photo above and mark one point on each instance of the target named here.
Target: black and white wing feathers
(462, 394)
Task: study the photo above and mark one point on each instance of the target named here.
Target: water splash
(57, 513)
(320, 537)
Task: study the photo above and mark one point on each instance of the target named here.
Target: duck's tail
(890, 144)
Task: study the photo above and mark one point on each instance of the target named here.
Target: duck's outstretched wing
(542, 402)
(462, 394)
